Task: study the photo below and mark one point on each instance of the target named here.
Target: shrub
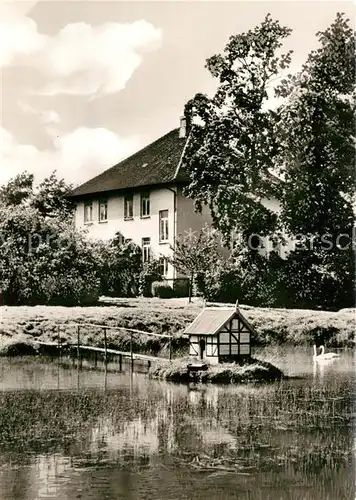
(19, 345)
(151, 272)
(220, 284)
(71, 290)
(252, 279)
(45, 260)
(121, 264)
(181, 287)
(162, 290)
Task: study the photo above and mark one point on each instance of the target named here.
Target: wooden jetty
(77, 347)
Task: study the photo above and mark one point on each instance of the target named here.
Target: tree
(317, 156)
(121, 265)
(51, 198)
(235, 142)
(17, 190)
(195, 254)
(45, 260)
(232, 142)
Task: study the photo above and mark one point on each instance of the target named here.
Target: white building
(142, 198)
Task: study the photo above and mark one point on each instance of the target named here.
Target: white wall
(184, 220)
(187, 219)
(274, 205)
(137, 228)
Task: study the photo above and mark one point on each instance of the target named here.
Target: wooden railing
(130, 354)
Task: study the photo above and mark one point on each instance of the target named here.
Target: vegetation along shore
(25, 325)
(226, 373)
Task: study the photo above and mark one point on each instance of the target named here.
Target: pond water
(69, 434)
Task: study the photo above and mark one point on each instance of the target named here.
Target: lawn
(273, 326)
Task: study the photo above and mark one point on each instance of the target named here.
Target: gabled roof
(210, 320)
(155, 164)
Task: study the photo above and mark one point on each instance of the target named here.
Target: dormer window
(145, 204)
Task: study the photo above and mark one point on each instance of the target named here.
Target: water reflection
(67, 434)
(324, 368)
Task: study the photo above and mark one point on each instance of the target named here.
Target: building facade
(142, 198)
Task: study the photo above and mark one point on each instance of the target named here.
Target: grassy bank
(228, 373)
(273, 326)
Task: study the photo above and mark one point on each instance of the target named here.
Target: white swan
(324, 356)
(328, 355)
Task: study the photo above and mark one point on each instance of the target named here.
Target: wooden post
(78, 343)
(120, 362)
(105, 346)
(131, 356)
(106, 377)
(191, 287)
(59, 343)
(170, 347)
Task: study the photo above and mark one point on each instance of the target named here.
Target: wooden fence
(105, 350)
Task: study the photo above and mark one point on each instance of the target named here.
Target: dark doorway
(201, 348)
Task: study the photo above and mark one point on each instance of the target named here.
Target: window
(163, 225)
(211, 346)
(224, 349)
(225, 342)
(163, 266)
(146, 249)
(245, 349)
(103, 211)
(235, 325)
(128, 206)
(145, 204)
(88, 212)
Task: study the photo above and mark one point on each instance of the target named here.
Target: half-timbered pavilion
(220, 334)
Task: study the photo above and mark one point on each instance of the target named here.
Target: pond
(67, 434)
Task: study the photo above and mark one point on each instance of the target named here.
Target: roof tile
(210, 321)
(153, 165)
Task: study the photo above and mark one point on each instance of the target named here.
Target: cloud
(18, 36)
(50, 116)
(80, 58)
(77, 156)
(47, 116)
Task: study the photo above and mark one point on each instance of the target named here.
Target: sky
(84, 84)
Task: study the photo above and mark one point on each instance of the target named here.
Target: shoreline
(275, 327)
(249, 370)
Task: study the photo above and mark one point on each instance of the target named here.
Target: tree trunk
(191, 287)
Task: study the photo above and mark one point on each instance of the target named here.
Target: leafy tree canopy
(232, 142)
(235, 142)
(49, 197)
(317, 135)
(17, 190)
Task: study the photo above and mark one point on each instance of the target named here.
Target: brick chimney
(183, 127)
